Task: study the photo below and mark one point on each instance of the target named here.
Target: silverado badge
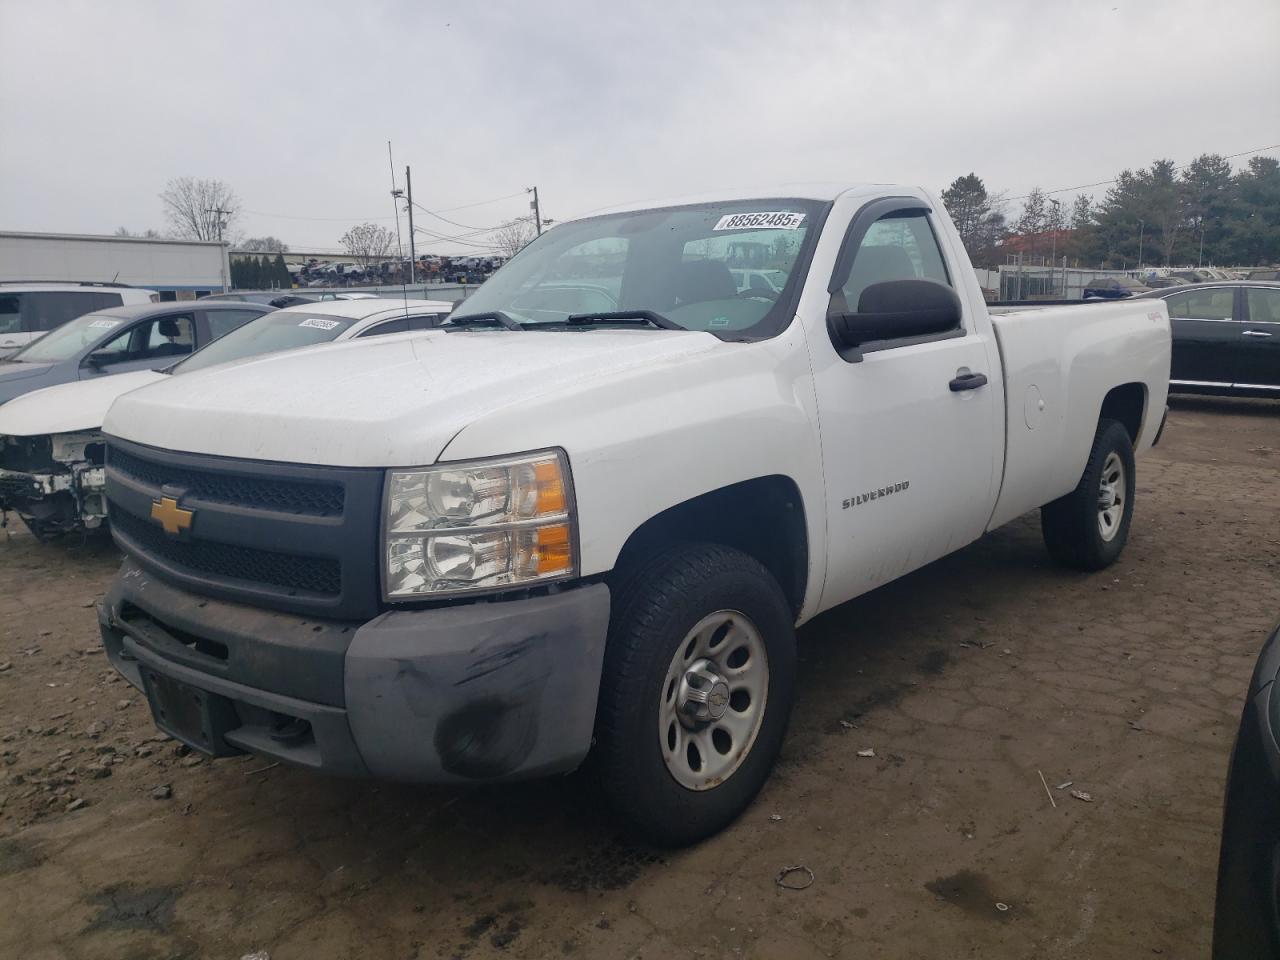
(166, 512)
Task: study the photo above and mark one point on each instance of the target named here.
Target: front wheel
(698, 683)
(1087, 529)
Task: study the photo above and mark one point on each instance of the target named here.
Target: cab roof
(824, 191)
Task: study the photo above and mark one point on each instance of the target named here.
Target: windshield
(267, 334)
(686, 263)
(68, 340)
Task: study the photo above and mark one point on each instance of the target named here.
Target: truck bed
(1060, 363)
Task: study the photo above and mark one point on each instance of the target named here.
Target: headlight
(463, 527)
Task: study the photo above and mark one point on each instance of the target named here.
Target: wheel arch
(1126, 404)
(763, 517)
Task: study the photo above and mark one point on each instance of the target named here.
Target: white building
(178, 269)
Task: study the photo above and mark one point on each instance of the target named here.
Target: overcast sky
(292, 104)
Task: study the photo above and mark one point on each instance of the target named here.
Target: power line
(464, 226)
(481, 203)
(465, 206)
(1104, 183)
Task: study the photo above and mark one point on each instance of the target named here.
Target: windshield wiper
(622, 316)
(488, 318)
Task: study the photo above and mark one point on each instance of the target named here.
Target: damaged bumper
(60, 498)
(55, 482)
(477, 691)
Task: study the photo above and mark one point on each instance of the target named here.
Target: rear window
(41, 311)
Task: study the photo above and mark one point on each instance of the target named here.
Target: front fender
(650, 439)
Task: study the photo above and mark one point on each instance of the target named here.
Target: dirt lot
(967, 679)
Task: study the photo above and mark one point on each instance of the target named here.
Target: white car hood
(69, 407)
(382, 402)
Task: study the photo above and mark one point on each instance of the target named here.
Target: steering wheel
(749, 293)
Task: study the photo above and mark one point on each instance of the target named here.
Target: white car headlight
(465, 527)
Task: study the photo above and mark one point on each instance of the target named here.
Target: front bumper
(37, 494)
(477, 691)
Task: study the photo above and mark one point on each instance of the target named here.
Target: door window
(898, 246)
(398, 325)
(10, 313)
(43, 311)
(1264, 305)
(1212, 304)
(222, 322)
(427, 321)
(151, 340)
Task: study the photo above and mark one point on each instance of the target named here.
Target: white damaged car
(51, 445)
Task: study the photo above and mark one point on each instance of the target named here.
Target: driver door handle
(1256, 333)
(968, 381)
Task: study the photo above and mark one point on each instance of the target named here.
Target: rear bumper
(479, 691)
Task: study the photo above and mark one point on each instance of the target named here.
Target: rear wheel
(1087, 529)
(697, 689)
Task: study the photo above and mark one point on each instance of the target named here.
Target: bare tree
(368, 243)
(263, 245)
(147, 234)
(511, 238)
(194, 207)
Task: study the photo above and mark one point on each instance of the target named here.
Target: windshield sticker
(318, 324)
(104, 324)
(774, 220)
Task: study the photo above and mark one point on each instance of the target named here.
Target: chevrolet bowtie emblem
(166, 512)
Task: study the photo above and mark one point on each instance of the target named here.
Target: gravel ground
(967, 679)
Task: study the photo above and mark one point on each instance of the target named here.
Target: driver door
(909, 445)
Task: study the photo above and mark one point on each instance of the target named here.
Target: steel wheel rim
(1111, 497)
(712, 700)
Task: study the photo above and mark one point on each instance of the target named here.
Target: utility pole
(1053, 255)
(413, 260)
(1200, 259)
(221, 223)
(1142, 227)
(537, 212)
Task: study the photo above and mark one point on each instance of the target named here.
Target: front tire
(699, 678)
(1087, 529)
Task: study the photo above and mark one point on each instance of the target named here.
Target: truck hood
(387, 401)
(69, 407)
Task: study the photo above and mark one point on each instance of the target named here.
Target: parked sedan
(1245, 922)
(1226, 337)
(51, 444)
(1114, 288)
(272, 298)
(1160, 283)
(119, 340)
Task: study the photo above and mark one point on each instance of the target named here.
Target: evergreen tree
(280, 273)
(1253, 227)
(976, 216)
(1035, 213)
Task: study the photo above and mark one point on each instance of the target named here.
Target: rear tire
(1087, 529)
(699, 678)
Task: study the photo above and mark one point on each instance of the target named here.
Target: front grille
(16, 486)
(315, 575)
(291, 537)
(261, 492)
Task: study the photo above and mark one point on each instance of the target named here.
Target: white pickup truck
(588, 513)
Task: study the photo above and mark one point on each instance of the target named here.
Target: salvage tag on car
(769, 220)
(318, 324)
(104, 324)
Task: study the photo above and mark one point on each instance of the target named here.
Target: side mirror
(99, 359)
(895, 310)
